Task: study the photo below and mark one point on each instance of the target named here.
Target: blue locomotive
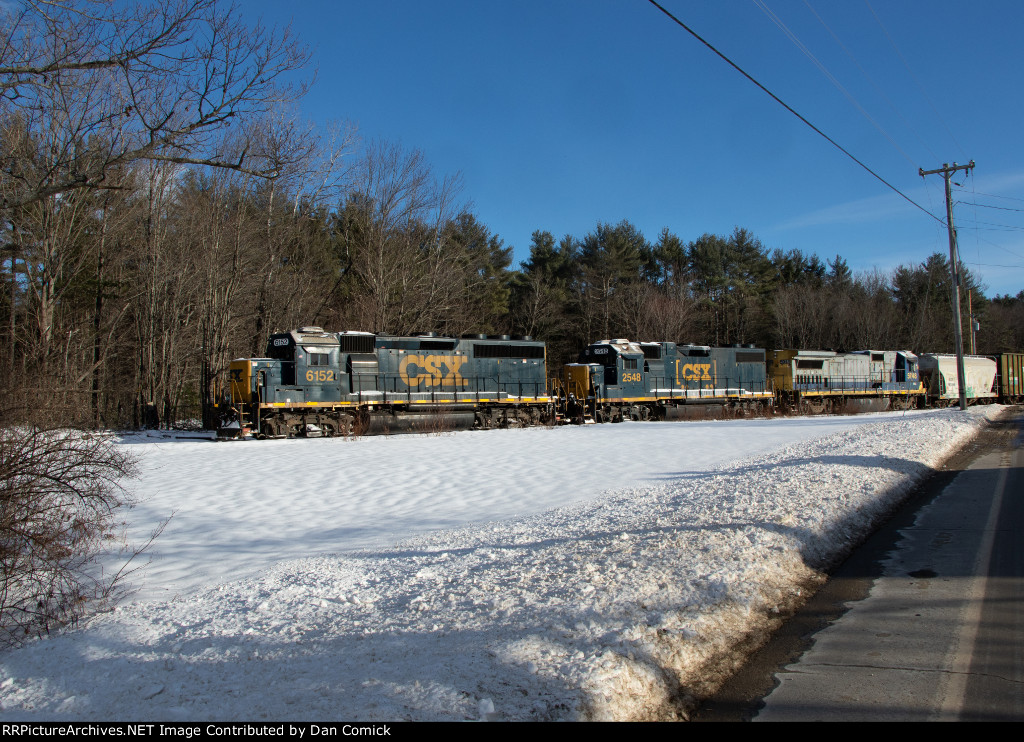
(313, 382)
(615, 380)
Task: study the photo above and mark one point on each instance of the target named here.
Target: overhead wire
(977, 230)
(932, 189)
(789, 108)
(870, 79)
(906, 65)
(993, 195)
(988, 206)
(992, 265)
(1000, 247)
(992, 226)
(777, 99)
(831, 78)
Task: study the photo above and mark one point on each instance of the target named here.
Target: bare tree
(90, 85)
(393, 226)
(307, 169)
(61, 500)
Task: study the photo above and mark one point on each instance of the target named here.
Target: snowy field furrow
(607, 572)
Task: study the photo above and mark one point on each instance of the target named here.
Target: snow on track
(610, 607)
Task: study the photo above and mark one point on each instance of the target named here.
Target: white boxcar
(938, 373)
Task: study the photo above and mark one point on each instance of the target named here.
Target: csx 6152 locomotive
(316, 382)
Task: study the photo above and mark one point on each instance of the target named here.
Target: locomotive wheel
(275, 428)
(345, 424)
(815, 406)
(331, 426)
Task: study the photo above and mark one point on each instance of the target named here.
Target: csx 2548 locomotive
(616, 380)
(316, 382)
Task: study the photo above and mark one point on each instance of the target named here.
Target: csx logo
(693, 372)
(432, 371)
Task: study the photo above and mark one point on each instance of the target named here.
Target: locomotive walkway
(934, 634)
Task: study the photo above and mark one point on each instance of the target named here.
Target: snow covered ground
(571, 573)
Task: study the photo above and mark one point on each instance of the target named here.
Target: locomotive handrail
(480, 390)
(715, 387)
(850, 383)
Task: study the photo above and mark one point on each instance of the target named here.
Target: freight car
(819, 381)
(938, 373)
(313, 382)
(1011, 378)
(615, 380)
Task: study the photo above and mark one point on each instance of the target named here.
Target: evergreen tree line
(152, 229)
(728, 289)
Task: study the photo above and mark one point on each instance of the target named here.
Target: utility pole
(973, 323)
(954, 267)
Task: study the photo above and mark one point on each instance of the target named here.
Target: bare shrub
(60, 497)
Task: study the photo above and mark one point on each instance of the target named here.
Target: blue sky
(564, 113)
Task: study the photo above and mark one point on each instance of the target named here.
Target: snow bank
(620, 607)
(240, 507)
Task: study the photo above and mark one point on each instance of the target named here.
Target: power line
(987, 206)
(831, 78)
(990, 265)
(992, 195)
(789, 108)
(993, 244)
(998, 247)
(992, 227)
(871, 80)
(920, 87)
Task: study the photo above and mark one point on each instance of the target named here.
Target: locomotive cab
(309, 371)
(614, 374)
(625, 369)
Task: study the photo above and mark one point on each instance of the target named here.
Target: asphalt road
(924, 623)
